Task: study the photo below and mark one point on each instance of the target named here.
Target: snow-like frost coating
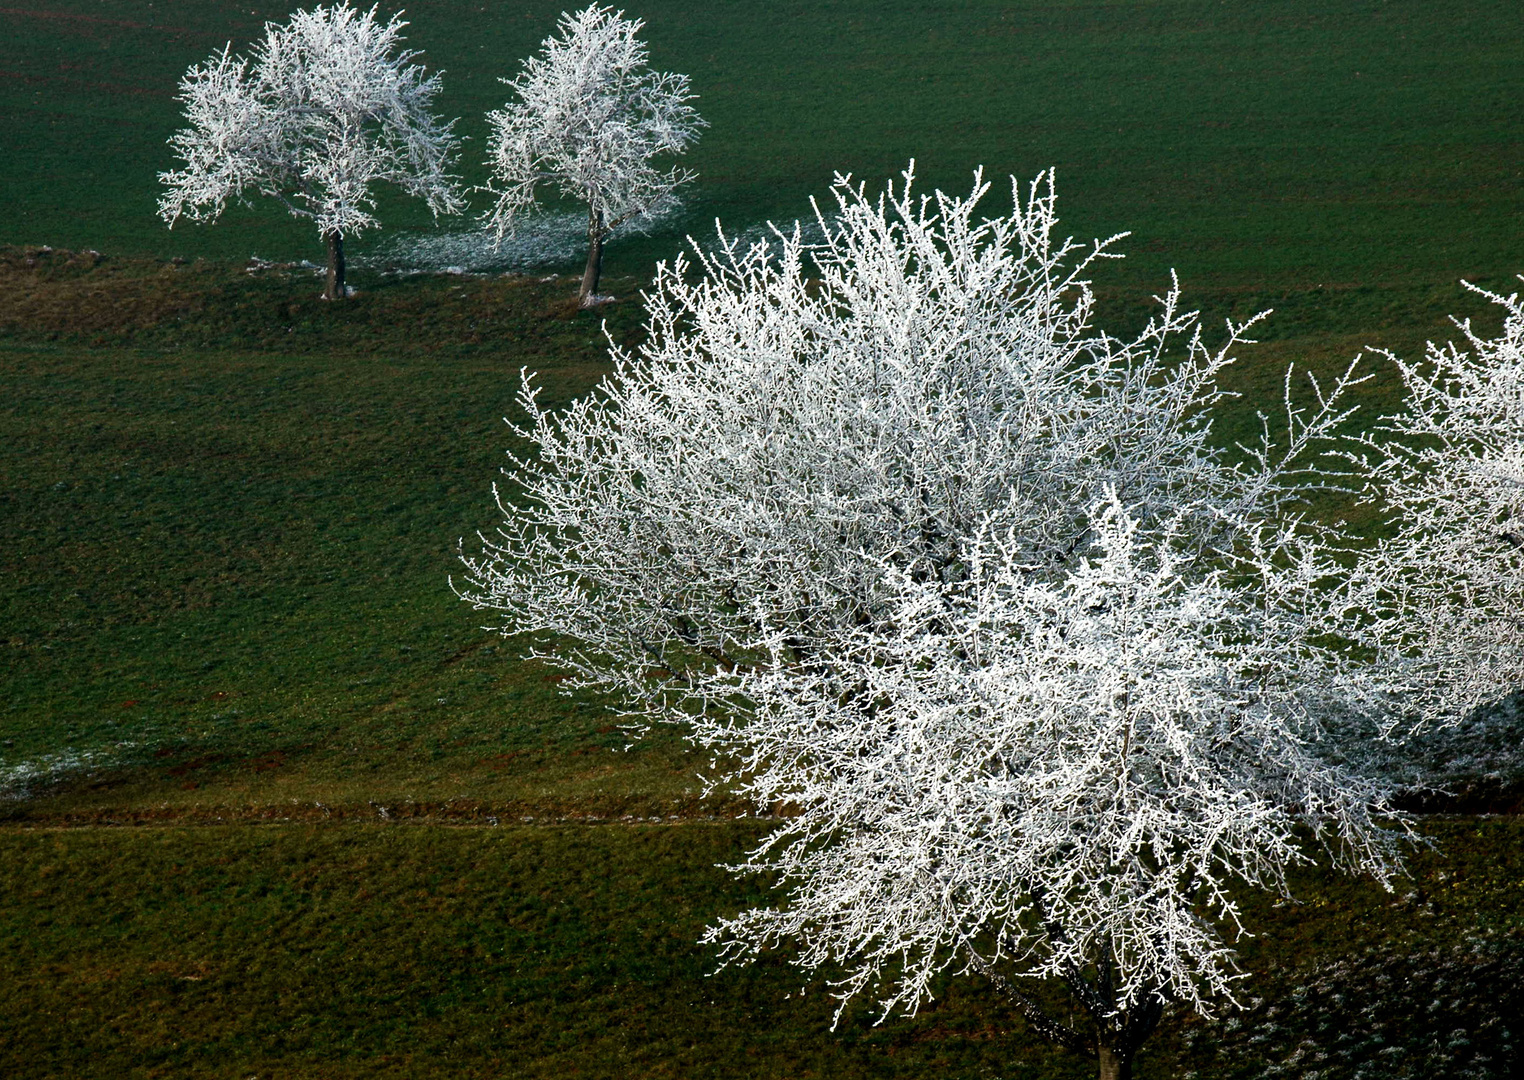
(1446, 592)
(538, 241)
(961, 585)
(18, 781)
(325, 107)
(588, 116)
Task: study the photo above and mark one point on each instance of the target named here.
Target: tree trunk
(334, 287)
(1114, 1066)
(594, 259)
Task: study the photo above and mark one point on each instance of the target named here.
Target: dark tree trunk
(594, 259)
(334, 287)
(1114, 1065)
(1117, 1033)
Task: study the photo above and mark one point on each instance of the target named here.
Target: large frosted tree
(326, 107)
(588, 117)
(964, 582)
(1444, 594)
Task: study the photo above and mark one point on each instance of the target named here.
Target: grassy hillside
(394, 950)
(1262, 147)
(231, 514)
(229, 568)
(273, 802)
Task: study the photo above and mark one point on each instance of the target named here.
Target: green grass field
(1264, 147)
(402, 950)
(274, 803)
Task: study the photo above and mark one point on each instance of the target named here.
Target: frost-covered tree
(1445, 593)
(963, 586)
(588, 118)
(326, 107)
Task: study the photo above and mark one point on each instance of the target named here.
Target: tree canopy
(326, 106)
(1038, 670)
(589, 117)
(1444, 593)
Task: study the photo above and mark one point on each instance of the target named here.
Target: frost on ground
(539, 241)
(545, 240)
(1479, 760)
(1487, 751)
(18, 781)
(1447, 1012)
(811, 233)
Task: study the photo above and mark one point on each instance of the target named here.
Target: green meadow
(275, 803)
(1277, 146)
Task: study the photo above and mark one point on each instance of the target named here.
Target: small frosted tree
(962, 581)
(326, 107)
(589, 118)
(1445, 592)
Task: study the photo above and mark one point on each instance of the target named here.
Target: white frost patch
(17, 781)
(811, 234)
(1488, 745)
(554, 239)
(542, 240)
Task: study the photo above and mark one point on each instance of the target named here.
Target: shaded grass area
(85, 298)
(1356, 142)
(408, 952)
(417, 951)
(227, 557)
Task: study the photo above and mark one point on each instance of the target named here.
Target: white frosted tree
(589, 117)
(325, 107)
(963, 583)
(1445, 592)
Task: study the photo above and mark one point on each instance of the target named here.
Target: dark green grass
(1260, 147)
(413, 951)
(232, 568)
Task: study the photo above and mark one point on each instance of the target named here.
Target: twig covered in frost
(917, 551)
(1445, 594)
(589, 117)
(327, 106)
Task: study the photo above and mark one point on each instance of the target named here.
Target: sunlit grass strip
(395, 950)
